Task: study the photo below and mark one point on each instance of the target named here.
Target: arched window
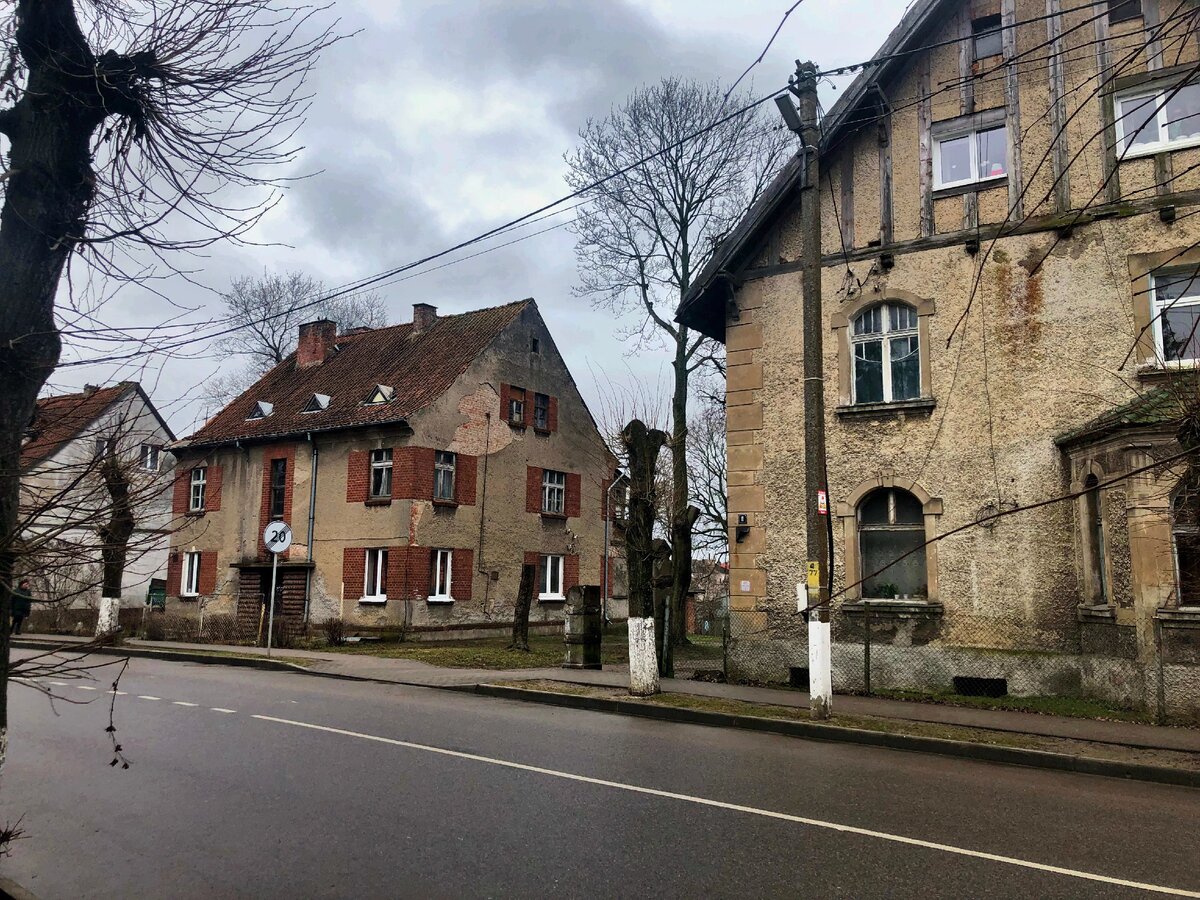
(886, 354)
(891, 524)
(1094, 532)
(1185, 535)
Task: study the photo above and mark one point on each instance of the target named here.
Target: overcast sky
(439, 121)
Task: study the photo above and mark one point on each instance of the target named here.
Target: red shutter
(183, 484)
(528, 408)
(465, 477)
(532, 558)
(395, 571)
(533, 489)
(552, 415)
(212, 490)
(573, 487)
(412, 473)
(505, 401)
(285, 452)
(462, 574)
(570, 571)
(354, 565)
(174, 573)
(208, 572)
(358, 476)
(418, 570)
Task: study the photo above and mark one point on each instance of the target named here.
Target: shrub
(334, 629)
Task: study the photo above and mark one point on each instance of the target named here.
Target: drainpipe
(608, 510)
(312, 516)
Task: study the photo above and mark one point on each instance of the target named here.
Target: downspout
(312, 518)
(608, 514)
(487, 443)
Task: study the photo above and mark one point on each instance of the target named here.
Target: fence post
(725, 644)
(1160, 714)
(867, 646)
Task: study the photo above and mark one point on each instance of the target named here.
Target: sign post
(277, 537)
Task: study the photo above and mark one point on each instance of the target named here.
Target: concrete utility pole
(816, 499)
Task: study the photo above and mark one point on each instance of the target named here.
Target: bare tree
(645, 232)
(707, 467)
(123, 119)
(266, 312)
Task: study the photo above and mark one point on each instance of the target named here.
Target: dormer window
(381, 394)
(261, 410)
(316, 403)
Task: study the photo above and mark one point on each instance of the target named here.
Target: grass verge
(545, 651)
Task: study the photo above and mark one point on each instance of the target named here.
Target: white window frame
(371, 586)
(973, 134)
(885, 336)
(1157, 308)
(151, 452)
(441, 581)
(545, 562)
(440, 468)
(189, 585)
(1160, 93)
(381, 461)
(554, 487)
(198, 489)
(516, 405)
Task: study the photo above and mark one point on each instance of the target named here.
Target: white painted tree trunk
(106, 621)
(643, 661)
(820, 669)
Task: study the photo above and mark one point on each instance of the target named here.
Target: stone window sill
(1179, 617)
(378, 501)
(441, 600)
(1100, 612)
(894, 608)
(923, 405)
(544, 432)
(195, 513)
(552, 599)
(973, 187)
(373, 601)
(446, 504)
(555, 517)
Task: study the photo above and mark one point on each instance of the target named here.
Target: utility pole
(816, 498)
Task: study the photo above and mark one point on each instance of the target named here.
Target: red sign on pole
(822, 503)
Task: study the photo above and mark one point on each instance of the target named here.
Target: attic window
(316, 403)
(535, 346)
(261, 410)
(988, 37)
(1124, 10)
(381, 394)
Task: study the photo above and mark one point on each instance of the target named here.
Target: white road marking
(147, 697)
(750, 810)
(222, 709)
(85, 687)
(118, 693)
(183, 703)
(58, 683)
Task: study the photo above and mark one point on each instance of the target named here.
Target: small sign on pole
(822, 503)
(277, 537)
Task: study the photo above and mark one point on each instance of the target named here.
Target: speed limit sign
(277, 537)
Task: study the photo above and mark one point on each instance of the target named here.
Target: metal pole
(271, 608)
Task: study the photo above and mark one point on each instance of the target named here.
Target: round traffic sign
(277, 537)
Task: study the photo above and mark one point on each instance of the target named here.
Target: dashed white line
(222, 709)
(57, 683)
(749, 810)
(118, 693)
(183, 703)
(85, 687)
(147, 697)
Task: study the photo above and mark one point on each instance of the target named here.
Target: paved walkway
(412, 672)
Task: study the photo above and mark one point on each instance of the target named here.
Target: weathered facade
(1007, 251)
(419, 466)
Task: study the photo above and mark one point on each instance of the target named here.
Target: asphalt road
(285, 785)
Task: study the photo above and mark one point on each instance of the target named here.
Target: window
(149, 457)
(316, 403)
(1094, 534)
(381, 394)
(278, 495)
(375, 576)
(988, 36)
(886, 353)
(1158, 119)
(1175, 306)
(261, 410)
(970, 156)
(103, 446)
(199, 486)
(381, 473)
(550, 578)
(891, 524)
(1123, 10)
(535, 346)
(1185, 535)
(516, 405)
(191, 575)
(440, 578)
(443, 475)
(554, 492)
(541, 412)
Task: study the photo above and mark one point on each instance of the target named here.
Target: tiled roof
(1161, 406)
(58, 420)
(419, 367)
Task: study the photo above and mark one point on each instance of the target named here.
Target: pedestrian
(22, 604)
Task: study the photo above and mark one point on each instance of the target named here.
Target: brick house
(419, 466)
(1008, 259)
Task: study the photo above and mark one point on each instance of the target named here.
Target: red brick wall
(412, 473)
(354, 565)
(208, 571)
(419, 561)
(574, 485)
(174, 573)
(532, 557)
(533, 489)
(358, 476)
(462, 575)
(212, 490)
(179, 498)
(570, 571)
(282, 451)
(465, 478)
(505, 397)
(552, 416)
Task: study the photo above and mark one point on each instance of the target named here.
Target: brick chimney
(316, 343)
(424, 316)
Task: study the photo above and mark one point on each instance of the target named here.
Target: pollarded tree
(643, 234)
(126, 124)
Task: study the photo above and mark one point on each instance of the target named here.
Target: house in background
(420, 466)
(1009, 276)
(64, 496)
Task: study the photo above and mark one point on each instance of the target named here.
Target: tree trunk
(682, 519)
(520, 632)
(642, 446)
(115, 533)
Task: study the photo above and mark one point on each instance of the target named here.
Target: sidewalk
(412, 672)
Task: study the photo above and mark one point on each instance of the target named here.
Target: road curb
(212, 659)
(10, 890)
(1041, 759)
